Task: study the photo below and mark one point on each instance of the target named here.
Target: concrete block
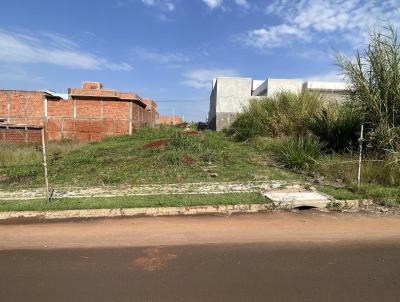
(298, 199)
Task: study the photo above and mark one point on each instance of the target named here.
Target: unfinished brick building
(84, 114)
(170, 120)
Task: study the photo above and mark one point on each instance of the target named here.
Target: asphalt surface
(193, 264)
(251, 272)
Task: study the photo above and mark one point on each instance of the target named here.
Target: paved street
(195, 264)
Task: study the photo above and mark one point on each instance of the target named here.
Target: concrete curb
(138, 212)
(222, 210)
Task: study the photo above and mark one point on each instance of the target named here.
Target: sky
(170, 50)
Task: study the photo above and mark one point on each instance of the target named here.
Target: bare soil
(156, 144)
(278, 227)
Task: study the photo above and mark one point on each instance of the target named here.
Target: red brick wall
(22, 107)
(21, 135)
(80, 118)
(169, 119)
(94, 118)
(60, 119)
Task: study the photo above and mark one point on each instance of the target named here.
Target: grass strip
(382, 194)
(132, 202)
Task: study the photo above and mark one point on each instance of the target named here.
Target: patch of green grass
(124, 160)
(25, 155)
(342, 193)
(132, 202)
(344, 167)
(13, 154)
(380, 194)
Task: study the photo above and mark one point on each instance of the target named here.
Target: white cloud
(213, 3)
(160, 57)
(274, 36)
(202, 78)
(51, 48)
(331, 76)
(165, 5)
(329, 19)
(243, 3)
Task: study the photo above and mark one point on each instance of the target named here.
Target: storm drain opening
(304, 200)
(305, 208)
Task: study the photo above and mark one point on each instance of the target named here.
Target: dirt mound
(192, 133)
(156, 144)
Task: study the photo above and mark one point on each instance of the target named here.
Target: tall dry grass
(23, 155)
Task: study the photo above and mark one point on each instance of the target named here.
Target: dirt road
(271, 257)
(273, 227)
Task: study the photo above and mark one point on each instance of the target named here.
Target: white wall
(233, 94)
(279, 85)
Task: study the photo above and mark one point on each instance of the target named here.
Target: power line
(183, 101)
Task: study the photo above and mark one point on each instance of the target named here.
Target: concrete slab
(298, 199)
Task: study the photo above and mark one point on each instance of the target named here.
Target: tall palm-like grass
(374, 78)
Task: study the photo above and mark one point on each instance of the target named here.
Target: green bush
(301, 152)
(383, 138)
(283, 114)
(337, 127)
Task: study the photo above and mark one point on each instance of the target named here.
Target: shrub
(374, 78)
(301, 152)
(283, 114)
(383, 138)
(337, 127)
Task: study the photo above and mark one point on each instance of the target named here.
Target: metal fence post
(360, 157)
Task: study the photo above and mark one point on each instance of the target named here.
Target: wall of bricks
(170, 120)
(22, 107)
(20, 135)
(87, 115)
(93, 119)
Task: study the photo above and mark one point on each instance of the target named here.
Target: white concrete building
(230, 94)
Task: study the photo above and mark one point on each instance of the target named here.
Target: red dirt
(193, 133)
(156, 144)
(154, 259)
(188, 160)
(269, 228)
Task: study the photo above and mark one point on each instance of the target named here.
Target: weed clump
(301, 152)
